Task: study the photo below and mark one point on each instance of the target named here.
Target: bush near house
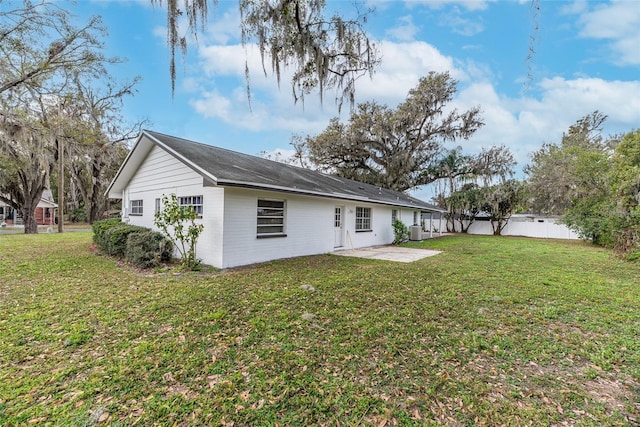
(147, 249)
(140, 246)
(400, 232)
(116, 238)
(100, 228)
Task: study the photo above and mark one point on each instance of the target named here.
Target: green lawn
(494, 331)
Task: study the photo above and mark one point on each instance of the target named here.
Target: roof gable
(224, 167)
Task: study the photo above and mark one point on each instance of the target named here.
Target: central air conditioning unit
(415, 233)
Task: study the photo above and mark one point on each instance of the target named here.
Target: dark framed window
(195, 201)
(363, 219)
(270, 218)
(135, 207)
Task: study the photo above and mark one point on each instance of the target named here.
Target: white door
(338, 224)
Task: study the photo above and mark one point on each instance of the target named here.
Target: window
(363, 219)
(135, 207)
(415, 218)
(337, 218)
(270, 220)
(394, 216)
(158, 207)
(195, 201)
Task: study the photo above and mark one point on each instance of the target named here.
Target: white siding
(308, 227)
(162, 174)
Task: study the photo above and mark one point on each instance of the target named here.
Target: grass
(494, 331)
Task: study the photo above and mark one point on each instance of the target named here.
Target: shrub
(400, 232)
(147, 249)
(178, 223)
(78, 215)
(116, 238)
(99, 230)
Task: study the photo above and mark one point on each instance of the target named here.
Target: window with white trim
(270, 218)
(363, 219)
(394, 215)
(158, 206)
(415, 218)
(135, 207)
(194, 201)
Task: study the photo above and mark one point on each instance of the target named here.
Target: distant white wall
(542, 227)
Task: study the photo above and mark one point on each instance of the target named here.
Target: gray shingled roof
(231, 168)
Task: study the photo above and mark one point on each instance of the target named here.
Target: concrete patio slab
(388, 253)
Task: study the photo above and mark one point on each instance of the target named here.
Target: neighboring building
(45, 212)
(254, 209)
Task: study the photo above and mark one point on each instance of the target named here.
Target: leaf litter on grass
(443, 341)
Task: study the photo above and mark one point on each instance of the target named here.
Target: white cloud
(406, 30)
(272, 108)
(584, 95)
(524, 123)
(213, 105)
(402, 66)
(521, 122)
(471, 5)
(459, 25)
(224, 25)
(618, 22)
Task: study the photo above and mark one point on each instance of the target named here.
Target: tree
(572, 179)
(496, 162)
(325, 52)
(452, 170)
(41, 56)
(37, 43)
(28, 155)
(593, 182)
(463, 205)
(500, 201)
(395, 148)
(561, 173)
(625, 192)
(96, 139)
(464, 177)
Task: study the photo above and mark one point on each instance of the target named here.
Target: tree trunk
(28, 213)
(499, 226)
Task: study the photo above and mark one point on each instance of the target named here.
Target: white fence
(528, 226)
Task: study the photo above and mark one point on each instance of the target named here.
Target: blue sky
(587, 58)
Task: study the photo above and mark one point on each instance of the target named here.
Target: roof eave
(340, 196)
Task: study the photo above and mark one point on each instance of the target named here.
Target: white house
(254, 209)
